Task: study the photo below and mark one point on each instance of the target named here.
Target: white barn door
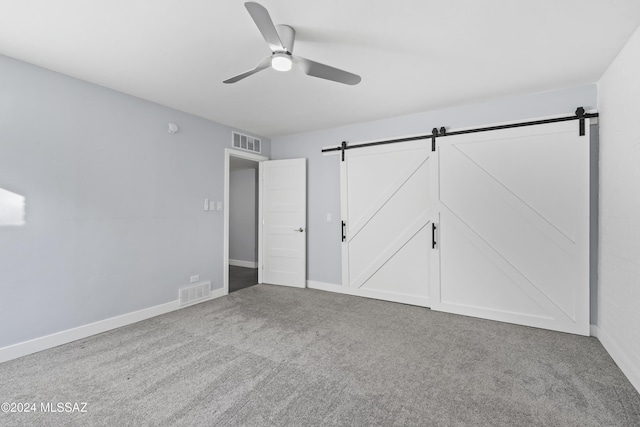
(510, 209)
(387, 209)
(514, 226)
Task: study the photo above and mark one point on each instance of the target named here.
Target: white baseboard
(368, 293)
(245, 264)
(49, 341)
(322, 286)
(626, 366)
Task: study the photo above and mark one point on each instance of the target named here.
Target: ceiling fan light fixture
(281, 62)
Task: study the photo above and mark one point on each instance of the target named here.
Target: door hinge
(344, 236)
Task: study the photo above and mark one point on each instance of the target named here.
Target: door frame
(228, 153)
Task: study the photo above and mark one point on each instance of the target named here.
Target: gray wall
(243, 213)
(114, 203)
(323, 190)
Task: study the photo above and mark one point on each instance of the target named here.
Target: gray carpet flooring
(276, 356)
(241, 277)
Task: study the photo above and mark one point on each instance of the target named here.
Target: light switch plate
(328, 217)
(206, 204)
(219, 206)
(212, 206)
(194, 279)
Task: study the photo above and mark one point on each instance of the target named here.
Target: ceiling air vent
(246, 142)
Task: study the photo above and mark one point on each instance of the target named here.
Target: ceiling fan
(280, 39)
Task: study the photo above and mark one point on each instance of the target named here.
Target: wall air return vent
(246, 142)
(192, 294)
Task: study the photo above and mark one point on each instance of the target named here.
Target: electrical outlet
(194, 279)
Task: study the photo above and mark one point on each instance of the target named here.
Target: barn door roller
(580, 115)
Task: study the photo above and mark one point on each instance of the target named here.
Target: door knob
(299, 229)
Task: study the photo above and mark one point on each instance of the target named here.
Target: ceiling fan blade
(262, 19)
(265, 63)
(326, 72)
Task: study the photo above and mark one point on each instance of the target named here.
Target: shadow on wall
(12, 208)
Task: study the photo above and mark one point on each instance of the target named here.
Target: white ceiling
(413, 55)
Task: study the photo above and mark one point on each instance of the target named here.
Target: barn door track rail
(580, 115)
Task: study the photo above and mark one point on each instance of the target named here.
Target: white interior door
(514, 226)
(387, 206)
(284, 226)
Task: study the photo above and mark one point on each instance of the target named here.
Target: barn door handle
(433, 236)
(344, 237)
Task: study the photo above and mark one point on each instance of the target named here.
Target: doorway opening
(242, 227)
(243, 223)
